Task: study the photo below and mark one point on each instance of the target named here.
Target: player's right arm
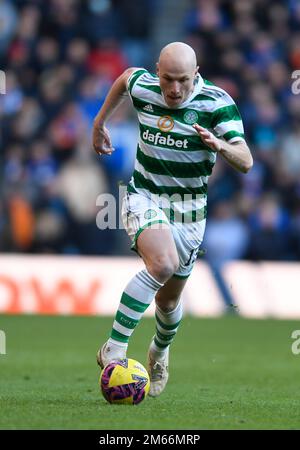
(101, 138)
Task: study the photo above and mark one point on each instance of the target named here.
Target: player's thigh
(168, 296)
(158, 251)
(151, 235)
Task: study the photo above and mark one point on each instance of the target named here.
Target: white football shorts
(141, 211)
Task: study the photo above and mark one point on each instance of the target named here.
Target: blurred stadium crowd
(60, 58)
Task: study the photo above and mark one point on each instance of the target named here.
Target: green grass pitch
(227, 373)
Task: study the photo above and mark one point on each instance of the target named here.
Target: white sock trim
(163, 313)
(158, 283)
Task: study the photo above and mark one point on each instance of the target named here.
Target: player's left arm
(237, 154)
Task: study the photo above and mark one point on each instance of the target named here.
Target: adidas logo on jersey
(148, 108)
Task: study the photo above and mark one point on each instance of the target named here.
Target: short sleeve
(227, 121)
(133, 79)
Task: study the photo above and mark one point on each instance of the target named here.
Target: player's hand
(208, 138)
(101, 140)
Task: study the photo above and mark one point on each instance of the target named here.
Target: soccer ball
(124, 381)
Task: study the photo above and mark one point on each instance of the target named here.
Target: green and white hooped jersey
(171, 159)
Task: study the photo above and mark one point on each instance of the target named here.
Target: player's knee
(163, 268)
(166, 305)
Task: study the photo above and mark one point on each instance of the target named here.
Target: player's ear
(157, 68)
(195, 74)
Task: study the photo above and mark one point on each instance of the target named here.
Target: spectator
(270, 238)
(226, 235)
(8, 21)
(60, 58)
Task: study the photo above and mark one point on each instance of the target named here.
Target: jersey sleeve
(227, 121)
(134, 77)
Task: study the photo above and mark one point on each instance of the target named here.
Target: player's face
(176, 86)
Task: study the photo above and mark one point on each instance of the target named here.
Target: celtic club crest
(150, 213)
(190, 117)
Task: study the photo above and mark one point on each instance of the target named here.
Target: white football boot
(158, 372)
(106, 354)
